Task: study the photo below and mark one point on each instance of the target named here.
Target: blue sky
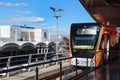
(37, 13)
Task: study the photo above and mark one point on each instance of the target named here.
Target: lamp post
(56, 15)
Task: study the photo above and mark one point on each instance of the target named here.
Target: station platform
(110, 71)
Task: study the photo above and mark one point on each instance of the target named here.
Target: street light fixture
(56, 15)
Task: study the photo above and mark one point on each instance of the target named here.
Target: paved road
(107, 72)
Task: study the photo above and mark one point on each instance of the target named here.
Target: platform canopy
(106, 12)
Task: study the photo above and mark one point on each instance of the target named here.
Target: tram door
(107, 46)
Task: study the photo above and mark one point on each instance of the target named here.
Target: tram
(92, 44)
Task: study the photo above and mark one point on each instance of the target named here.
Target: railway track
(72, 75)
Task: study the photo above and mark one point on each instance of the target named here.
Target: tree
(66, 40)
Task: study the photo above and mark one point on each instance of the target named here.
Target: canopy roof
(106, 12)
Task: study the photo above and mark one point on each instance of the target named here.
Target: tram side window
(102, 43)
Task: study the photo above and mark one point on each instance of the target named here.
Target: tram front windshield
(84, 37)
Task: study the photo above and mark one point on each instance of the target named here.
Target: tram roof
(106, 12)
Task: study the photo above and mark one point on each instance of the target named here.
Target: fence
(34, 60)
(8, 63)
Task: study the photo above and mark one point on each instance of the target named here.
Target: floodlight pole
(56, 11)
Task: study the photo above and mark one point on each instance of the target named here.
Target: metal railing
(11, 62)
(33, 60)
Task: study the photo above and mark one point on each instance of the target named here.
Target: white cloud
(23, 19)
(13, 4)
(24, 12)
